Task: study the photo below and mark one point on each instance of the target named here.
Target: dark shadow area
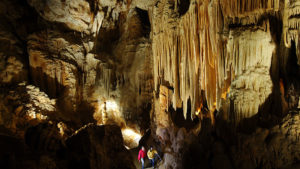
(208, 150)
(98, 147)
(79, 115)
(178, 117)
(105, 43)
(290, 76)
(92, 147)
(12, 152)
(145, 22)
(144, 121)
(85, 113)
(183, 6)
(43, 138)
(47, 84)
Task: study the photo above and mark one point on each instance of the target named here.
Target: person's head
(143, 148)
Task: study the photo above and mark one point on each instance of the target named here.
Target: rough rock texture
(102, 148)
(205, 49)
(91, 147)
(13, 65)
(82, 16)
(23, 107)
(215, 80)
(252, 83)
(276, 147)
(105, 78)
(82, 62)
(229, 60)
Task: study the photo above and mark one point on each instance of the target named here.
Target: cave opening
(145, 22)
(183, 6)
(290, 75)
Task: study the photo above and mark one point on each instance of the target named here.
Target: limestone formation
(25, 106)
(209, 83)
(279, 143)
(12, 58)
(203, 52)
(101, 144)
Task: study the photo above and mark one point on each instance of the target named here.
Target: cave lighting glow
(111, 105)
(34, 115)
(131, 136)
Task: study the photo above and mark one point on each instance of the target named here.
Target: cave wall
(65, 64)
(99, 54)
(93, 57)
(228, 62)
(222, 48)
(212, 77)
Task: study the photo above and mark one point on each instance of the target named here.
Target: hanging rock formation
(86, 68)
(214, 80)
(222, 48)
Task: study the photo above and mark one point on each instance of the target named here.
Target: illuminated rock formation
(111, 88)
(25, 106)
(212, 83)
(204, 50)
(77, 15)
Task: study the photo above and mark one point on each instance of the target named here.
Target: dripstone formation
(210, 84)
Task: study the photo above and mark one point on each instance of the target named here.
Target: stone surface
(98, 79)
(102, 147)
(215, 83)
(252, 82)
(206, 49)
(91, 147)
(276, 147)
(13, 66)
(77, 15)
(24, 106)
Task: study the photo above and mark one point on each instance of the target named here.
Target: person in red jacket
(142, 155)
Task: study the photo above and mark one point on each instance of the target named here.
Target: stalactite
(291, 24)
(187, 56)
(191, 54)
(249, 57)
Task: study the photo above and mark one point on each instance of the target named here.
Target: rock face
(279, 143)
(108, 75)
(274, 147)
(12, 58)
(252, 83)
(23, 107)
(101, 145)
(223, 60)
(90, 148)
(70, 64)
(217, 80)
(81, 16)
(207, 50)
